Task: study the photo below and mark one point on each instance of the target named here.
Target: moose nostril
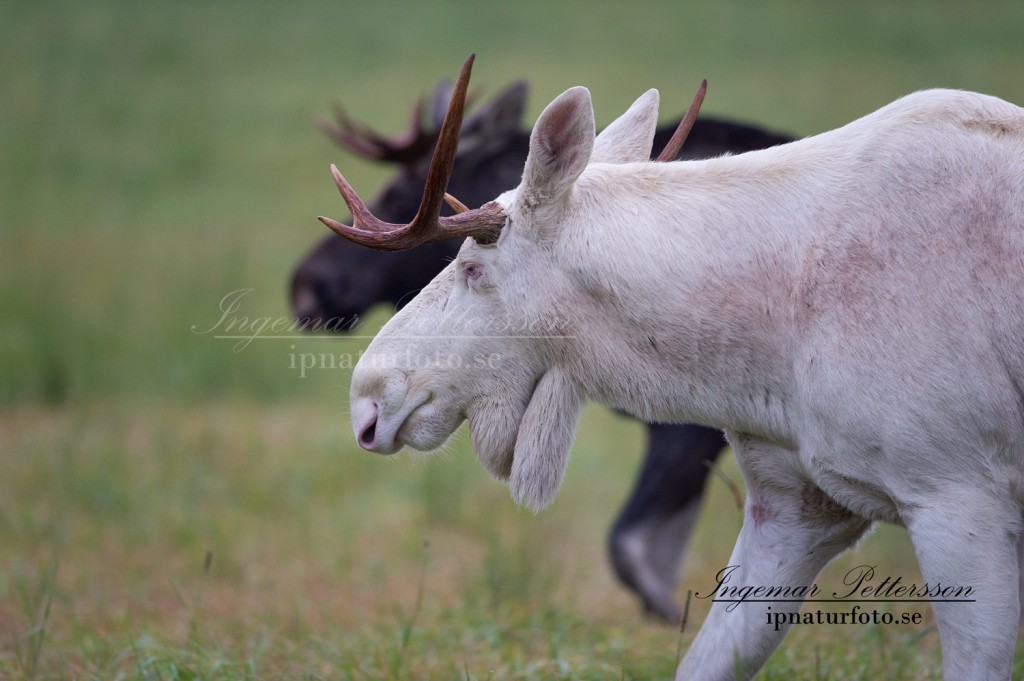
(365, 417)
(369, 434)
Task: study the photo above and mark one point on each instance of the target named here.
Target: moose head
(495, 338)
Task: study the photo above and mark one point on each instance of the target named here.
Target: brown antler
(405, 149)
(675, 144)
(483, 224)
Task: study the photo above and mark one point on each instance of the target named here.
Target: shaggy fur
(849, 307)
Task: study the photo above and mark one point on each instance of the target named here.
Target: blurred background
(177, 506)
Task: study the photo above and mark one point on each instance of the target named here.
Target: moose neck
(699, 280)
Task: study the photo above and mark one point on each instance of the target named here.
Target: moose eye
(472, 272)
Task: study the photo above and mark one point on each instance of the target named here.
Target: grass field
(174, 506)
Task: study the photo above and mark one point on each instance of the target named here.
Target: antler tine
(348, 134)
(455, 204)
(441, 164)
(414, 145)
(366, 229)
(405, 149)
(675, 144)
(484, 223)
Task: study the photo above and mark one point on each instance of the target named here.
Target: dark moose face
(338, 283)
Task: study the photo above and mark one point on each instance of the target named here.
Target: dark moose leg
(649, 537)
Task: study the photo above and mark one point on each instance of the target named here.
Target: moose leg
(791, 529)
(971, 541)
(649, 537)
(1020, 579)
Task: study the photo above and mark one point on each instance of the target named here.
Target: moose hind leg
(1020, 580)
(971, 540)
(791, 530)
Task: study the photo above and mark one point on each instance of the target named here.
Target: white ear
(560, 147)
(545, 440)
(629, 138)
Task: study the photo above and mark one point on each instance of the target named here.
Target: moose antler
(405, 149)
(483, 224)
(675, 143)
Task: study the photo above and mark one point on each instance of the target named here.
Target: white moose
(849, 308)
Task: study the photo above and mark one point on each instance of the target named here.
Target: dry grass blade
(733, 487)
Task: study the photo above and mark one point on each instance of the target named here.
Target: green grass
(233, 542)
(158, 156)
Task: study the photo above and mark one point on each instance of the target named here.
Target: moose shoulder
(848, 307)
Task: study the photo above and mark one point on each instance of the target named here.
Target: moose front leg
(649, 537)
(791, 529)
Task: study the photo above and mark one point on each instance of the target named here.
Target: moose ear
(545, 440)
(560, 147)
(629, 138)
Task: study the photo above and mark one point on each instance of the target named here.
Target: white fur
(849, 307)
(545, 438)
(628, 139)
